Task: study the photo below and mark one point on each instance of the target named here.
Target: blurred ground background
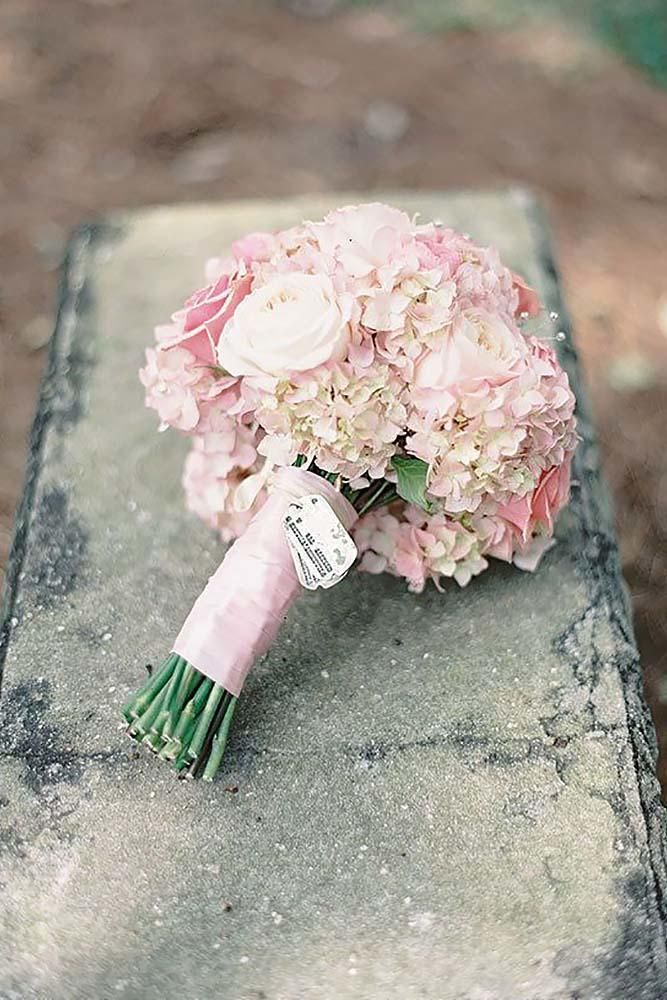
(110, 103)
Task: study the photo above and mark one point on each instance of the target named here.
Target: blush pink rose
(504, 545)
(538, 510)
(551, 494)
(529, 302)
(199, 325)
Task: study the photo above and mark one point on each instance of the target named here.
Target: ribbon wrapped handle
(238, 615)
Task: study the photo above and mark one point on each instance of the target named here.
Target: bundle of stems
(183, 716)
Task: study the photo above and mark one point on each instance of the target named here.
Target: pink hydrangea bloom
(174, 382)
(373, 244)
(495, 439)
(347, 423)
(408, 542)
(255, 247)
(218, 464)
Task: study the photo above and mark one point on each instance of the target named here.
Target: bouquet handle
(238, 615)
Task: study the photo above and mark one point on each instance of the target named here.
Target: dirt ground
(108, 103)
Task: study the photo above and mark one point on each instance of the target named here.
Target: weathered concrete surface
(442, 797)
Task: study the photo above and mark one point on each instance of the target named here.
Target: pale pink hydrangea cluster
(357, 339)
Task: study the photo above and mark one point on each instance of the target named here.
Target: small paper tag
(320, 547)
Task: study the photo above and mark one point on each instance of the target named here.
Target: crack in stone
(492, 752)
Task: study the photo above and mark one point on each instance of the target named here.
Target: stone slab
(447, 797)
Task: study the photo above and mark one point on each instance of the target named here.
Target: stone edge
(58, 385)
(606, 586)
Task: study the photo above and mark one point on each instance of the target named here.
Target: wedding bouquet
(363, 386)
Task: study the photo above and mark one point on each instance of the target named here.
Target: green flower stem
(219, 743)
(172, 688)
(142, 725)
(189, 680)
(186, 683)
(153, 741)
(187, 721)
(200, 697)
(182, 761)
(155, 683)
(169, 750)
(376, 497)
(204, 722)
(199, 763)
(189, 715)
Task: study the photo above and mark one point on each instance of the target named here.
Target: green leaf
(412, 475)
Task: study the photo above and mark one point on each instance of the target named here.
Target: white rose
(478, 346)
(291, 324)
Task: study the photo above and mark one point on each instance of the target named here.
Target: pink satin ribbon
(238, 615)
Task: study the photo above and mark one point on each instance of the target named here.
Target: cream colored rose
(479, 346)
(291, 324)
